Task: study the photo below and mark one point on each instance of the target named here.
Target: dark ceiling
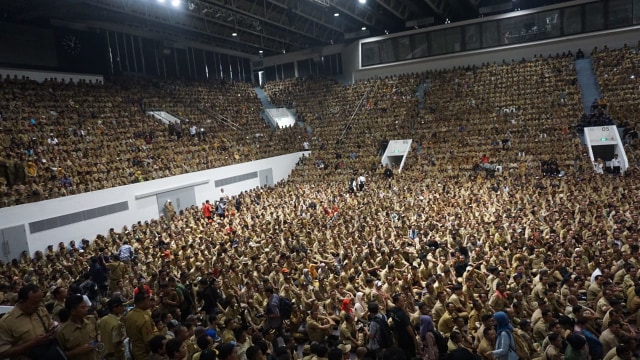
(271, 26)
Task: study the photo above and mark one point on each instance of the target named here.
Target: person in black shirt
(405, 335)
(460, 266)
(388, 173)
(209, 295)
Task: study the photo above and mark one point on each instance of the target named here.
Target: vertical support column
(195, 66)
(110, 55)
(144, 70)
(175, 59)
(206, 67)
(115, 36)
(164, 66)
(133, 52)
(155, 52)
(188, 63)
(126, 56)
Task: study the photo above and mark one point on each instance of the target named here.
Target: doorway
(604, 152)
(180, 198)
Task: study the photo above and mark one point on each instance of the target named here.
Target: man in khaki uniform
(117, 272)
(26, 326)
(112, 331)
(140, 327)
(315, 330)
(59, 294)
(78, 337)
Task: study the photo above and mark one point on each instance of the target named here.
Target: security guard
(111, 331)
(140, 327)
(78, 337)
(27, 326)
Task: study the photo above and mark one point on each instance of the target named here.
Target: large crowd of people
(432, 261)
(61, 139)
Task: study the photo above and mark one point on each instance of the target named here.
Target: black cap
(208, 354)
(225, 350)
(115, 302)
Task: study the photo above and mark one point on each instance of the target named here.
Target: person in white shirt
(598, 166)
(615, 164)
(52, 139)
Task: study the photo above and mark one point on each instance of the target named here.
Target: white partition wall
(87, 215)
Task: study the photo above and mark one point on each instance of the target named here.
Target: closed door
(266, 177)
(13, 241)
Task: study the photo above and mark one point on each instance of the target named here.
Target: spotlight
(364, 28)
(336, 14)
(234, 34)
(260, 52)
(362, 1)
(161, 1)
(175, 3)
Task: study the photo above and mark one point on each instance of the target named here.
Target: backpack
(441, 343)
(285, 307)
(596, 350)
(385, 336)
(522, 348)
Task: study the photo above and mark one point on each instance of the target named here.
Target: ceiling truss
(396, 7)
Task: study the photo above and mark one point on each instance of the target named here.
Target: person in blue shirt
(505, 343)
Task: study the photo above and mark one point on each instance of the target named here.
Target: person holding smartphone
(78, 337)
(27, 326)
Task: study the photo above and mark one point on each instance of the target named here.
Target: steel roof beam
(396, 7)
(204, 26)
(266, 14)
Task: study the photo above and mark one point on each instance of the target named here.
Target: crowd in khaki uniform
(559, 256)
(62, 139)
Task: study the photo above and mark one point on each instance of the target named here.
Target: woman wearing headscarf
(360, 307)
(429, 346)
(345, 308)
(306, 277)
(505, 344)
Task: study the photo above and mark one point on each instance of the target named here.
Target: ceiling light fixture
(336, 14)
(234, 34)
(364, 28)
